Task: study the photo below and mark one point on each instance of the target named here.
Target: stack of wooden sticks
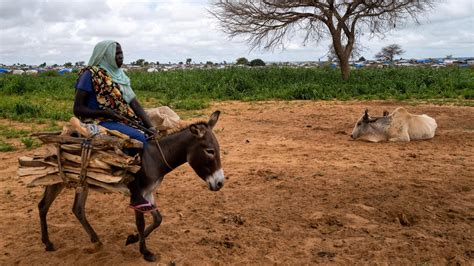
(107, 169)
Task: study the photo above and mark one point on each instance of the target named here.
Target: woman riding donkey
(104, 97)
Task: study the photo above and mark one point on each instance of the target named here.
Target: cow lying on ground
(397, 126)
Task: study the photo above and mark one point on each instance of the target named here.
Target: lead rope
(162, 154)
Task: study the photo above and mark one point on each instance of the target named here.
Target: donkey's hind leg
(49, 195)
(156, 222)
(140, 221)
(79, 210)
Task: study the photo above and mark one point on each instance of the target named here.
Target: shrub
(242, 61)
(257, 62)
(4, 146)
(28, 142)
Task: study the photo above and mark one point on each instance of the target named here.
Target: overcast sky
(59, 31)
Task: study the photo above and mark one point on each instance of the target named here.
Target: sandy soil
(298, 190)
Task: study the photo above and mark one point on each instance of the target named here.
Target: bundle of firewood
(108, 168)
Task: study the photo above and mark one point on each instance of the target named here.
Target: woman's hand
(109, 113)
(138, 109)
(153, 130)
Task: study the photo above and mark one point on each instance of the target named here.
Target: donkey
(195, 144)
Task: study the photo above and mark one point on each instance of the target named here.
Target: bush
(242, 61)
(257, 62)
(29, 142)
(4, 146)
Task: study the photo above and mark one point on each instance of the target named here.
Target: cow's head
(370, 128)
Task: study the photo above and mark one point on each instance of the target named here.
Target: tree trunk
(345, 68)
(342, 54)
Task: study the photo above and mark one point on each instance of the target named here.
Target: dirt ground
(297, 191)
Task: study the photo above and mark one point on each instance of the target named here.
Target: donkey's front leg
(50, 194)
(156, 222)
(140, 221)
(79, 210)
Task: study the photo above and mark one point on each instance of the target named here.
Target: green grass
(29, 142)
(9, 132)
(52, 126)
(50, 96)
(309, 84)
(4, 146)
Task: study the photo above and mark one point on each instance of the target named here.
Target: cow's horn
(366, 114)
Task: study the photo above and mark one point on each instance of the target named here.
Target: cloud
(58, 31)
(432, 40)
(449, 10)
(64, 11)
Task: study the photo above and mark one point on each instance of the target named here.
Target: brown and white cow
(400, 125)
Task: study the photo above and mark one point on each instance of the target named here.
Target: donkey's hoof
(94, 248)
(148, 256)
(50, 247)
(131, 239)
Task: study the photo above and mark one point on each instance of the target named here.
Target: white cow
(400, 125)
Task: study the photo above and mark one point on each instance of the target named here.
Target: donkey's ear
(196, 131)
(213, 120)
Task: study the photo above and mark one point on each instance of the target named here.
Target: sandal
(143, 208)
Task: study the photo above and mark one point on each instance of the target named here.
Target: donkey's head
(204, 154)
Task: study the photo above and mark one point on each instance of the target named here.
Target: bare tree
(332, 56)
(390, 51)
(269, 23)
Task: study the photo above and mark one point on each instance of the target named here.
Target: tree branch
(266, 23)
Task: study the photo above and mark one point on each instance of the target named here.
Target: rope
(162, 154)
(60, 166)
(86, 150)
